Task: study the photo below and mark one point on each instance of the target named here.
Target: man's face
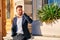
(19, 11)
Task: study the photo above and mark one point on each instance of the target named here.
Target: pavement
(45, 38)
(8, 37)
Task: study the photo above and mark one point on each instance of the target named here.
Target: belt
(20, 34)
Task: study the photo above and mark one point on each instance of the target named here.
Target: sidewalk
(45, 38)
(8, 37)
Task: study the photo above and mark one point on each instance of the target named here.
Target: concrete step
(8, 36)
(45, 38)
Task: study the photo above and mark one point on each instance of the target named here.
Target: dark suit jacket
(25, 20)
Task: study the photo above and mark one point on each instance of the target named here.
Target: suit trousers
(19, 37)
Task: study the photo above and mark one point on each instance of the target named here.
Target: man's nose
(20, 11)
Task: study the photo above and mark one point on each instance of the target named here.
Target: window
(8, 9)
(58, 2)
(54, 1)
(50, 1)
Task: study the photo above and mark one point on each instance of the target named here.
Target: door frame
(3, 18)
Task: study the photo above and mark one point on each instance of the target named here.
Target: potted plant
(49, 15)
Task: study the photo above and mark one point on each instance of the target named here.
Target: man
(20, 25)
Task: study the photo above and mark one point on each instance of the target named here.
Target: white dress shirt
(19, 25)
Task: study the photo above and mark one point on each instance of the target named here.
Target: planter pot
(52, 29)
(36, 27)
(44, 29)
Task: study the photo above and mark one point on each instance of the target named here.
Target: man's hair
(19, 6)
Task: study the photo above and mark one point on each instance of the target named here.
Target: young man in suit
(20, 25)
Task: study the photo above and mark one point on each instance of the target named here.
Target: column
(0, 19)
(37, 4)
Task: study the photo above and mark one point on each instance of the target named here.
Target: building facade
(8, 11)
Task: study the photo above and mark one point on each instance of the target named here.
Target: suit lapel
(23, 20)
(15, 20)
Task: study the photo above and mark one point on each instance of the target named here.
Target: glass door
(28, 11)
